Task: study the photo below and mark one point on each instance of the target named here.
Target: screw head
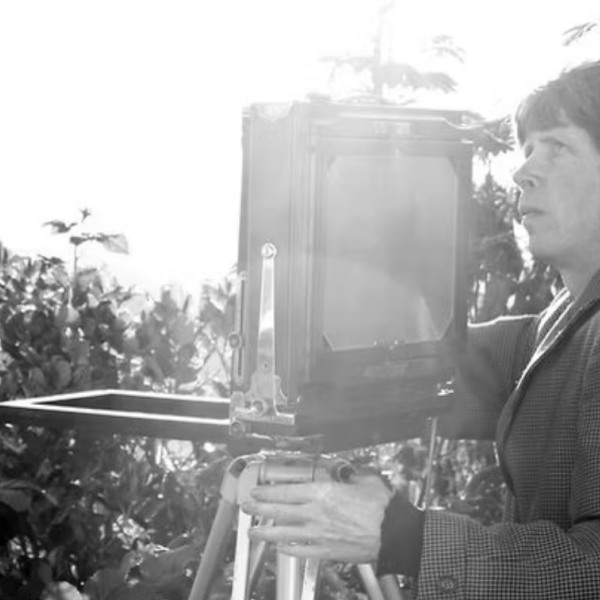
(235, 341)
(237, 429)
(269, 250)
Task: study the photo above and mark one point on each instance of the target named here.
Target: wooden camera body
(364, 208)
(352, 298)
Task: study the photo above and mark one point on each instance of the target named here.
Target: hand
(325, 520)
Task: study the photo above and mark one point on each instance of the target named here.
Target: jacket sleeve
(465, 560)
(487, 370)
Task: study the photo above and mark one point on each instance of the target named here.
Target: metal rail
(126, 412)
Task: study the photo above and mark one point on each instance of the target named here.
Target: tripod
(297, 579)
(260, 407)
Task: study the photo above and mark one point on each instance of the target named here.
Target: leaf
(183, 331)
(135, 592)
(59, 226)
(50, 261)
(151, 363)
(80, 352)
(115, 243)
(18, 501)
(576, 32)
(168, 564)
(103, 582)
(44, 470)
(67, 315)
(37, 381)
(17, 493)
(77, 240)
(444, 45)
(61, 373)
(60, 590)
(11, 443)
(401, 74)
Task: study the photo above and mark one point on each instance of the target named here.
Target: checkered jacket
(535, 382)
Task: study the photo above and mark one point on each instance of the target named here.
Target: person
(533, 381)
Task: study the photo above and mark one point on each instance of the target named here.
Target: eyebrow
(545, 137)
(555, 132)
(550, 135)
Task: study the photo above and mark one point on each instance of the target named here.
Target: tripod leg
(214, 550)
(312, 569)
(220, 532)
(241, 568)
(242, 559)
(385, 588)
(289, 577)
(257, 559)
(370, 582)
(391, 588)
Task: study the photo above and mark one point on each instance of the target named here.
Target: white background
(133, 109)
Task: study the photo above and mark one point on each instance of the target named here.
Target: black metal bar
(126, 412)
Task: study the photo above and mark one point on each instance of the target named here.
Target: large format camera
(352, 300)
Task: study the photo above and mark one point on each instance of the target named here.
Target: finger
(280, 513)
(303, 550)
(281, 534)
(295, 493)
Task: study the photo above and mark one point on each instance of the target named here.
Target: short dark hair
(573, 97)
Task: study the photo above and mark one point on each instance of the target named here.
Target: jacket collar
(561, 317)
(591, 294)
(564, 313)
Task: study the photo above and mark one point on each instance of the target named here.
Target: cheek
(582, 207)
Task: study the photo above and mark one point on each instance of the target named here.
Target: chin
(540, 251)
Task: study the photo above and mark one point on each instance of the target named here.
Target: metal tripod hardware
(297, 579)
(261, 404)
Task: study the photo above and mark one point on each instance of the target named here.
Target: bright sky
(133, 108)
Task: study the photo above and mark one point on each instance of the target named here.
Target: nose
(524, 176)
(529, 175)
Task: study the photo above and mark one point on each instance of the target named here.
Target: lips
(526, 210)
(529, 216)
(530, 211)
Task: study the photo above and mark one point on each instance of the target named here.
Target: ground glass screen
(388, 246)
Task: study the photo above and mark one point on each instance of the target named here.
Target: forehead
(539, 112)
(541, 117)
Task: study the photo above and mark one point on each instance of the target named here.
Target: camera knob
(235, 341)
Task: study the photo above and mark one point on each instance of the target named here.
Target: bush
(114, 511)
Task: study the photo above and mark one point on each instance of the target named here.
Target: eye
(557, 145)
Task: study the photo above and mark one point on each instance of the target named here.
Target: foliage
(381, 78)
(71, 502)
(575, 33)
(392, 75)
(113, 242)
(61, 336)
(96, 502)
